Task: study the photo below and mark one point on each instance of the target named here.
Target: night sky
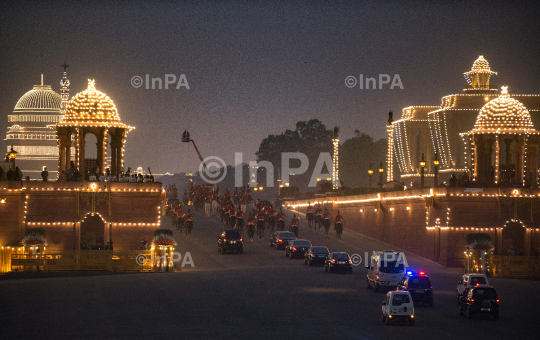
(257, 68)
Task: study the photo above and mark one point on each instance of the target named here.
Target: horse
(338, 227)
(250, 228)
(326, 223)
(260, 228)
(294, 229)
(318, 220)
(243, 208)
(189, 227)
(272, 223)
(240, 226)
(281, 225)
(310, 219)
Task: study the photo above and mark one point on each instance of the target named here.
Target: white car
(398, 305)
(471, 280)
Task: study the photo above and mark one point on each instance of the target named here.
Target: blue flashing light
(409, 273)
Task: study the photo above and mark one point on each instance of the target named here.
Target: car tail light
(497, 300)
(422, 273)
(350, 261)
(472, 300)
(333, 261)
(294, 248)
(224, 240)
(241, 240)
(280, 241)
(477, 284)
(377, 278)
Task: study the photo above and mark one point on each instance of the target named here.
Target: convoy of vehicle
(386, 270)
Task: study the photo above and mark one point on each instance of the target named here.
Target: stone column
(61, 158)
(82, 142)
(488, 151)
(533, 161)
(100, 153)
(508, 159)
(497, 158)
(520, 155)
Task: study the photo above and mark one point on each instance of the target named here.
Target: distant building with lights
(30, 133)
(431, 130)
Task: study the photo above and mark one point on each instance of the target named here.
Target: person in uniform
(294, 225)
(326, 221)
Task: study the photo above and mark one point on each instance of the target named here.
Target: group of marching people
(316, 216)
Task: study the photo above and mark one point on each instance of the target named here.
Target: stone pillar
(497, 159)
(82, 142)
(488, 151)
(100, 153)
(533, 162)
(61, 159)
(520, 155)
(68, 152)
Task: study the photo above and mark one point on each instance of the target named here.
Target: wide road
(260, 294)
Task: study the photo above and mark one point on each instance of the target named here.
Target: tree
(310, 138)
(356, 154)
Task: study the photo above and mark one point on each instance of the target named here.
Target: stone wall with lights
(132, 210)
(434, 223)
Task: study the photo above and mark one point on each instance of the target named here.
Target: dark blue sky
(256, 68)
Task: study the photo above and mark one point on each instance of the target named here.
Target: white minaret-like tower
(64, 93)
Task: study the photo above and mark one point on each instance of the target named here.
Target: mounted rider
(309, 215)
(294, 225)
(338, 224)
(326, 220)
(281, 220)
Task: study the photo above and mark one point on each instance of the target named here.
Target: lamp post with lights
(422, 166)
(370, 172)
(12, 154)
(381, 171)
(436, 171)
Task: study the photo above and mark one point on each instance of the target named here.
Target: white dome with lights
(40, 98)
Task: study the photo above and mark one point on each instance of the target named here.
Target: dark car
(481, 300)
(420, 288)
(279, 239)
(337, 262)
(316, 255)
(230, 240)
(297, 248)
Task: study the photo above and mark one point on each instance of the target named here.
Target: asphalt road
(260, 294)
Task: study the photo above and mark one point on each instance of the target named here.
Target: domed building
(91, 112)
(30, 134)
(438, 129)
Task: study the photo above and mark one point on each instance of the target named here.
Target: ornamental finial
(504, 90)
(91, 84)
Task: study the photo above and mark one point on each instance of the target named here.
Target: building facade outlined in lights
(431, 130)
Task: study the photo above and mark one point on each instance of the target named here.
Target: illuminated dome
(503, 115)
(40, 98)
(91, 108)
(481, 65)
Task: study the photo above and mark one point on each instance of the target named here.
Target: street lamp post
(370, 172)
(12, 154)
(381, 170)
(422, 166)
(436, 171)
